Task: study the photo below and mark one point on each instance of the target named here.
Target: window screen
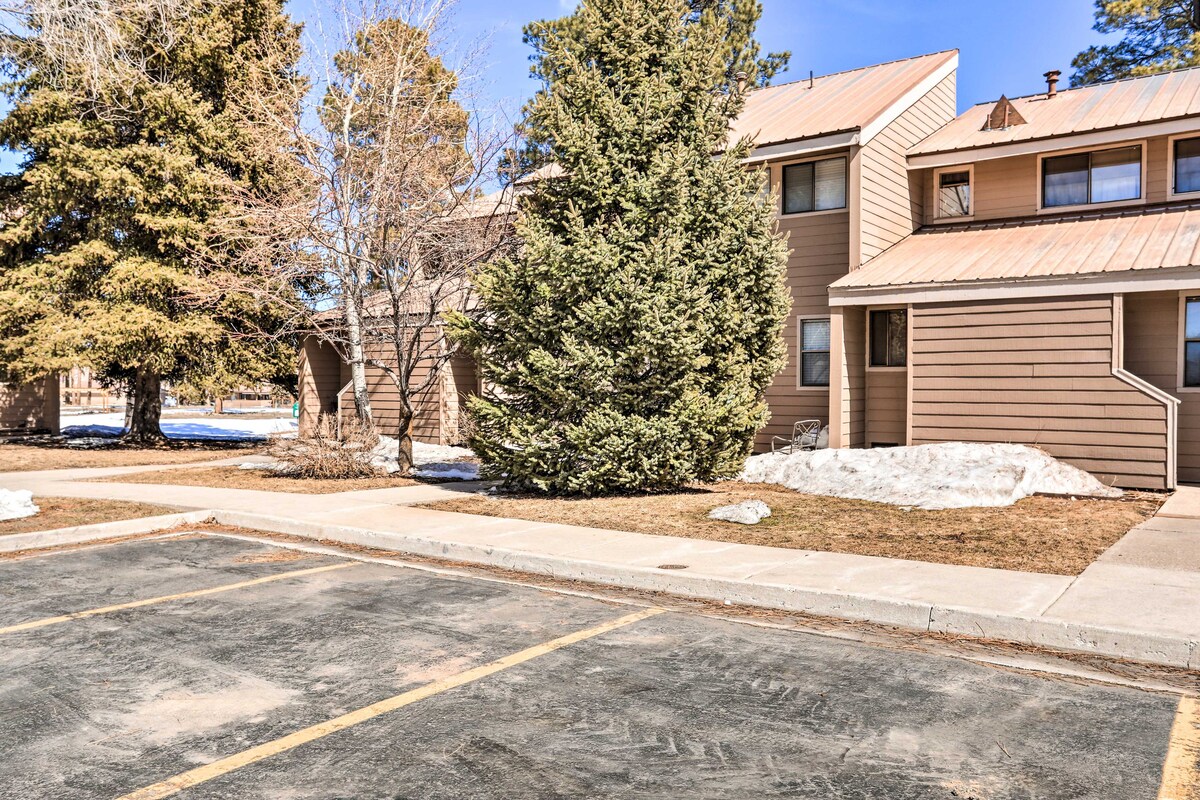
(1103, 176)
(1191, 342)
(1187, 165)
(814, 352)
(814, 186)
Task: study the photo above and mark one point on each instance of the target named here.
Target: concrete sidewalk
(1138, 601)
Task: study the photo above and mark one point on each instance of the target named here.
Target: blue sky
(1005, 46)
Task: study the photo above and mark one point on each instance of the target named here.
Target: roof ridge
(860, 69)
(1070, 89)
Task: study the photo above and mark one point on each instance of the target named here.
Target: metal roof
(1102, 106)
(1148, 238)
(843, 101)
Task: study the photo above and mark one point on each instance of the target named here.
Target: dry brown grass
(26, 457)
(67, 512)
(1038, 534)
(262, 480)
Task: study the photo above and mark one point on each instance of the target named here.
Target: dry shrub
(326, 457)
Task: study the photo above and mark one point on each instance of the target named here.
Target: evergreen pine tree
(110, 255)
(629, 345)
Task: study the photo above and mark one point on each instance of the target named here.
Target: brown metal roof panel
(1115, 241)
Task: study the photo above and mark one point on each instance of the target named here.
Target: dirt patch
(262, 480)
(1038, 534)
(68, 512)
(23, 457)
(273, 557)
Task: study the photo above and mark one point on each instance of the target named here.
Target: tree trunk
(219, 405)
(358, 366)
(145, 408)
(404, 454)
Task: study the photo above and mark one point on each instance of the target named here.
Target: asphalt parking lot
(206, 666)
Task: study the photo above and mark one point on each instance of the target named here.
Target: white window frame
(1171, 193)
(908, 337)
(1041, 180)
(800, 352)
(937, 173)
(1181, 341)
(782, 188)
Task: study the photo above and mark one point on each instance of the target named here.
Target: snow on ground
(215, 428)
(950, 475)
(432, 460)
(17, 504)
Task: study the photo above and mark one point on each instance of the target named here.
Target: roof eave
(951, 157)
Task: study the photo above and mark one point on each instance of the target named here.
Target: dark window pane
(878, 338)
(898, 338)
(1065, 180)
(814, 334)
(1191, 326)
(1116, 175)
(1187, 165)
(1191, 364)
(814, 369)
(798, 188)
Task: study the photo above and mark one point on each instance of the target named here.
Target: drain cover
(671, 566)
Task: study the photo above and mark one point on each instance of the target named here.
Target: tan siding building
(29, 407)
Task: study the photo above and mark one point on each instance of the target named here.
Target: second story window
(1187, 165)
(1102, 176)
(954, 194)
(814, 186)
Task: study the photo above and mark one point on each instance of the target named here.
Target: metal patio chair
(804, 437)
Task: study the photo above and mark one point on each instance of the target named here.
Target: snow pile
(431, 460)
(212, 428)
(747, 512)
(950, 475)
(17, 504)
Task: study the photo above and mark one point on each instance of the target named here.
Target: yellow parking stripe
(224, 766)
(1181, 769)
(229, 587)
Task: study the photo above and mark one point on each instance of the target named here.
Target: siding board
(1015, 378)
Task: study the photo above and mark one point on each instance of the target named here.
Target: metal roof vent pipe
(1051, 82)
(741, 79)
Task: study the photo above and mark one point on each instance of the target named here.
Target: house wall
(30, 407)
(886, 407)
(1008, 187)
(1038, 372)
(1152, 321)
(891, 205)
(820, 254)
(318, 380)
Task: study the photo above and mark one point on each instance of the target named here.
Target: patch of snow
(17, 504)
(930, 476)
(211, 428)
(268, 465)
(747, 512)
(431, 460)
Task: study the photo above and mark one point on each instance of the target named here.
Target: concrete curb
(86, 533)
(1136, 645)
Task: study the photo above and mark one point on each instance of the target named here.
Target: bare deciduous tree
(391, 218)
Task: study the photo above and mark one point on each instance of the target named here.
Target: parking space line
(1181, 768)
(229, 587)
(229, 764)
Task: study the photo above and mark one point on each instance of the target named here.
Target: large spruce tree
(112, 248)
(629, 346)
